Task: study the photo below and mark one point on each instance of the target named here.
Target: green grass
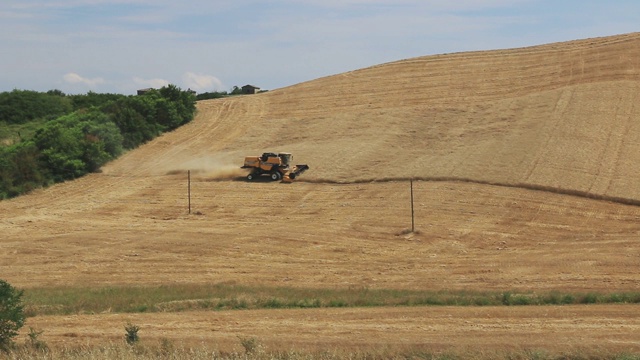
(176, 298)
(13, 133)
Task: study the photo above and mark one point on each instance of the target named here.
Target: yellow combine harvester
(275, 165)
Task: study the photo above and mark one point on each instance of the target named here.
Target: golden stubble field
(525, 179)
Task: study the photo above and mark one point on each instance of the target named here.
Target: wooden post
(413, 223)
(189, 188)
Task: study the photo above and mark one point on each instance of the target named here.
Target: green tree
(11, 314)
(6, 180)
(20, 171)
(76, 144)
(92, 99)
(211, 95)
(60, 144)
(69, 146)
(135, 117)
(102, 140)
(142, 118)
(21, 106)
(167, 114)
(184, 102)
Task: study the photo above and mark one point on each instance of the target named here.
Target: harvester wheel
(276, 176)
(251, 177)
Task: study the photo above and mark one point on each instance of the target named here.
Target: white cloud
(201, 82)
(152, 83)
(73, 78)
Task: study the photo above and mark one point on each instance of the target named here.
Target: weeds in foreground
(34, 340)
(253, 349)
(131, 337)
(251, 345)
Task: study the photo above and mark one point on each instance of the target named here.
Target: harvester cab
(276, 165)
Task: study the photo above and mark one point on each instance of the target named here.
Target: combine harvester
(275, 165)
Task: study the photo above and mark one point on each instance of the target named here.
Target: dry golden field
(525, 179)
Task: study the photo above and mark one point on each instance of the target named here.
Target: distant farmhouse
(144, 91)
(250, 89)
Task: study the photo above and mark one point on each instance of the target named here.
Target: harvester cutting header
(275, 165)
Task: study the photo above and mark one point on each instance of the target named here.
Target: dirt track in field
(526, 167)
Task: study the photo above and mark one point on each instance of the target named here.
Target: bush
(92, 99)
(132, 334)
(11, 314)
(34, 340)
(22, 106)
(79, 143)
(211, 95)
(568, 299)
(251, 345)
(589, 298)
(19, 169)
(506, 298)
(142, 118)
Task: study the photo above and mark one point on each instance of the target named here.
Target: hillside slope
(560, 115)
(556, 116)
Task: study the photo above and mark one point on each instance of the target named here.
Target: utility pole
(413, 222)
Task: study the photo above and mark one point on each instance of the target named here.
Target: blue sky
(119, 46)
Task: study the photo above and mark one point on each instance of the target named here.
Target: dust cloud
(209, 168)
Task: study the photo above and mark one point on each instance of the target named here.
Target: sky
(119, 46)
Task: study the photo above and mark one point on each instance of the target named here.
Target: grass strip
(184, 297)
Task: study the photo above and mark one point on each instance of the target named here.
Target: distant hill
(560, 116)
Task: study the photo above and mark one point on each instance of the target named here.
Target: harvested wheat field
(525, 174)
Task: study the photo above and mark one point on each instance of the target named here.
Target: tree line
(80, 133)
(236, 90)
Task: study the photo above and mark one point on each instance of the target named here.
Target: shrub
(338, 303)
(521, 300)
(22, 106)
(251, 345)
(568, 299)
(19, 169)
(34, 340)
(76, 144)
(590, 298)
(273, 303)
(506, 298)
(132, 334)
(11, 314)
